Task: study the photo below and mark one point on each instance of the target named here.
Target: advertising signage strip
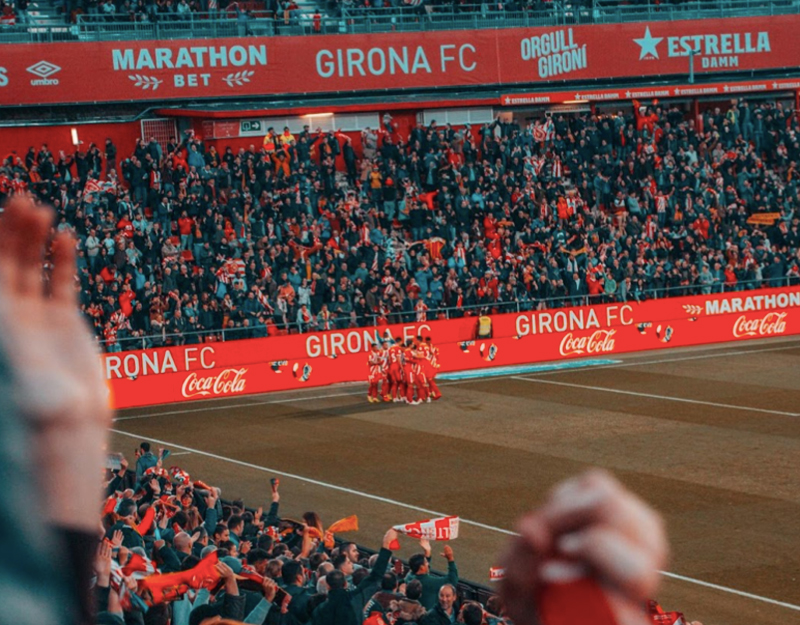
(646, 93)
(282, 363)
(257, 66)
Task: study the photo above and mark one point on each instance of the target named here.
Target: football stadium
(400, 312)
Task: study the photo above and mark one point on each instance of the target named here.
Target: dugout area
(709, 435)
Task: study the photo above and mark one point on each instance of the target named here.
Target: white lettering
(203, 363)
(226, 382)
(312, 346)
(599, 342)
(769, 325)
(113, 363)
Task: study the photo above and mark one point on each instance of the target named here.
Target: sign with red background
(257, 66)
(212, 370)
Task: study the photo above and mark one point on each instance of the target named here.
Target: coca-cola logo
(599, 342)
(769, 325)
(224, 383)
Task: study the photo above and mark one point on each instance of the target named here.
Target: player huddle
(399, 372)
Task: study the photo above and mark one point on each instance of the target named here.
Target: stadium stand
(179, 242)
(83, 20)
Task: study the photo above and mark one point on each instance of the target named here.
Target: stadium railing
(398, 19)
(232, 334)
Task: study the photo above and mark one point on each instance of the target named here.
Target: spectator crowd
(175, 553)
(180, 239)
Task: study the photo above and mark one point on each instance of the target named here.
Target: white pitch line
(436, 513)
(603, 389)
(234, 406)
(716, 354)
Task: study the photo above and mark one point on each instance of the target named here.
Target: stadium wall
(57, 137)
(213, 370)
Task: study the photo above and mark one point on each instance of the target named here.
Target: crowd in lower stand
(175, 553)
(180, 239)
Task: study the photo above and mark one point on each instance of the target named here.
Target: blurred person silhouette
(54, 419)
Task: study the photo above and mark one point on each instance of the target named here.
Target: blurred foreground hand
(58, 379)
(589, 527)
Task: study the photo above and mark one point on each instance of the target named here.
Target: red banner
(219, 68)
(191, 372)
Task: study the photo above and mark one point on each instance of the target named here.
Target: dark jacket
(130, 537)
(437, 616)
(297, 607)
(144, 462)
(336, 610)
(431, 584)
(361, 594)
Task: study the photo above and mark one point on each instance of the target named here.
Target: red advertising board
(158, 376)
(236, 67)
(730, 88)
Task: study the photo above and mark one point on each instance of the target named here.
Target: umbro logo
(44, 70)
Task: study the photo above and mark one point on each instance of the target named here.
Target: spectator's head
(389, 582)
(126, 511)
(145, 447)
(343, 563)
(206, 550)
(157, 615)
(350, 549)
(471, 613)
(312, 518)
(418, 564)
(265, 542)
(336, 580)
(221, 533)
(414, 590)
(316, 559)
(229, 547)
(235, 523)
(258, 559)
(447, 597)
(292, 573)
(182, 542)
(203, 613)
(494, 605)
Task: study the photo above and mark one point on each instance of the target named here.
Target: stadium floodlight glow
(319, 115)
(75, 140)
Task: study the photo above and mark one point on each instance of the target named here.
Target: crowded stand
(175, 552)
(271, 570)
(181, 242)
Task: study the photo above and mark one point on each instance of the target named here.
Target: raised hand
(116, 539)
(590, 526)
(54, 360)
(102, 564)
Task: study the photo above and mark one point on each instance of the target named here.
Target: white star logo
(648, 44)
